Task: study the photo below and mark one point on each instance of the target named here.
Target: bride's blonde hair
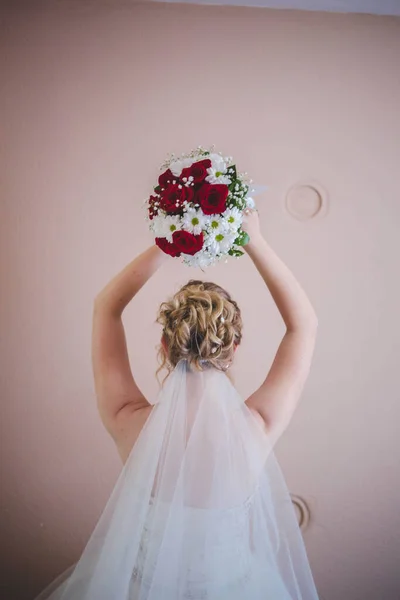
(202, 324)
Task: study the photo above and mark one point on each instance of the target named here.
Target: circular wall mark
(304, 201)
(302, 511)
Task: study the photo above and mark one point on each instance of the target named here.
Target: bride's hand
(251, 225)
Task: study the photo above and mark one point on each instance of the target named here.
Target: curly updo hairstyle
(201, 324)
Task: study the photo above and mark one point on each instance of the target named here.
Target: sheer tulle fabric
(200, 509)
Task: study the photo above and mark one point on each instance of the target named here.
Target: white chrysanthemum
(201, 259)
(158, 226)
(220, 242)
(233, 217)
(172, 223)
(216, 224)
(217, 162)
(215, 176)
(177, 166)
(195, 221)
(217, 171)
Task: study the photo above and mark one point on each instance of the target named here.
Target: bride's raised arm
(277, 398)
(115, 386)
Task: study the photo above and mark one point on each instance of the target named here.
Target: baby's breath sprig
(238, 190)
(195, 153)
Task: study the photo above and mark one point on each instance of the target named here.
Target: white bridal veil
(200, 510)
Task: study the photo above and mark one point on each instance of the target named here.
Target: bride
(200, 509)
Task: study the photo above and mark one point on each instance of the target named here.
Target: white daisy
(201, 260)
(215, 176)
(195, 221)
(233, 218)
(216, 224)
(217, 171)
(157, 224)
(220, 242)
(177, 166)
(172, 223)
(217, 162)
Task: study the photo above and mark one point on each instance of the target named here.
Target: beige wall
(93, 99)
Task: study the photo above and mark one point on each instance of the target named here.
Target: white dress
(200, 510)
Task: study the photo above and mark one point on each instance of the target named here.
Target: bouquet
(196, 210)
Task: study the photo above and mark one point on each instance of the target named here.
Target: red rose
(173, 197)
(166, 178)
(167, 247)
(153, 210)
(187, 242)
(212, 198)
(198, 170)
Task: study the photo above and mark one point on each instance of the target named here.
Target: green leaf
(157, 188)
(234, 252)
(243, 238)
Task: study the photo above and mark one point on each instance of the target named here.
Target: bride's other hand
(251, 225)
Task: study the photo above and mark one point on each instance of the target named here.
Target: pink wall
(93, 99)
